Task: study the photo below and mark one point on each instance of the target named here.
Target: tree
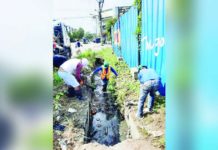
(72, 36)
(80, 33)
(76, 34)
(109, 24)
(89, 36)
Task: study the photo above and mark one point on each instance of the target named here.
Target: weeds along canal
(105, 123)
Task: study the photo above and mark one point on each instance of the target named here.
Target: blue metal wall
(152, 52)
(129, 44)
(153, 39)
(124, 39)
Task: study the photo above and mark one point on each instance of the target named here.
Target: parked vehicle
(97, 40)
(61, 43)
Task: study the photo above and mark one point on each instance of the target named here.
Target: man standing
(70, 72)
(149, 84)
(78, 44)
(77, 50)
(105, 74)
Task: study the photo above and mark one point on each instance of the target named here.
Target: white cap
(85, 62)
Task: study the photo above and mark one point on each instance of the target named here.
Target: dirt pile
(130, 144)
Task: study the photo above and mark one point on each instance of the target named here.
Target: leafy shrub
(56, 79)
(90, 55)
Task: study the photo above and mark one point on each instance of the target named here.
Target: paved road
(93, 46)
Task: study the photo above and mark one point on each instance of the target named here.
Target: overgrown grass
(90, 55)
(57, 82)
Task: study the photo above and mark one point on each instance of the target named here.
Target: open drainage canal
(105, 125)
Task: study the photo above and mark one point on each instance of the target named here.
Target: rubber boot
(71, 92)
(105, 83)
(79, 95)
(104, 88)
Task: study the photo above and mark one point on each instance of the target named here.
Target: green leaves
(89, 35)
(56, 79)
(109, 24)
(90, 55)
(77, 34)
(58, 96)
(138, 4)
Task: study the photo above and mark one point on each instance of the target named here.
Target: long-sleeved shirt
(100, 69)
(147, 74)
(78, 71)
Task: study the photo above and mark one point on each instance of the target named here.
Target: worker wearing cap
(149, 84)
(70, 72)
(106, 70)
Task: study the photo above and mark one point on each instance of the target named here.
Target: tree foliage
(80, 33)
(77, 34)
(89, 36)
(109, 24)
(138, 4)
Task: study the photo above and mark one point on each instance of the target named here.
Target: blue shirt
(78, 44)
(147, 74)
(58, 60)
(100, 69)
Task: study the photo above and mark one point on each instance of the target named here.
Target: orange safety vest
(105, 74)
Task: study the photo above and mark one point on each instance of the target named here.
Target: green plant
(138, 5)
(57, 97)
(109, 24)
(89, 35)
(90, 55)
(56, 79)
(76, 34)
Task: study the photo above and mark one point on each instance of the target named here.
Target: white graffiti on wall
(158, 42)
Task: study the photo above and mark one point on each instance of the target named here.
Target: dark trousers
(105, 83)
(72, 92)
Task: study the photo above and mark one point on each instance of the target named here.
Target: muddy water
(105, 122)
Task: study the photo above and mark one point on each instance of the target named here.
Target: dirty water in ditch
(106, 126)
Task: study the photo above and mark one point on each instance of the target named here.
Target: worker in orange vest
(105, 74)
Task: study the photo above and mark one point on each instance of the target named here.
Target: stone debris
(157, 133)
(63, 144)
(72, 110)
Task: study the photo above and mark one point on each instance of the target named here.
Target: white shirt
(70, 65)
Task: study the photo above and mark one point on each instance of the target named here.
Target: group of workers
(70, 72)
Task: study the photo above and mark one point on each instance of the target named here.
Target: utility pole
(95, 17)
(100, 6)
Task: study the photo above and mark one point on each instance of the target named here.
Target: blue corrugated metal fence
(124, 39)
(129, 44)
(152, 52)
(152, 36)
